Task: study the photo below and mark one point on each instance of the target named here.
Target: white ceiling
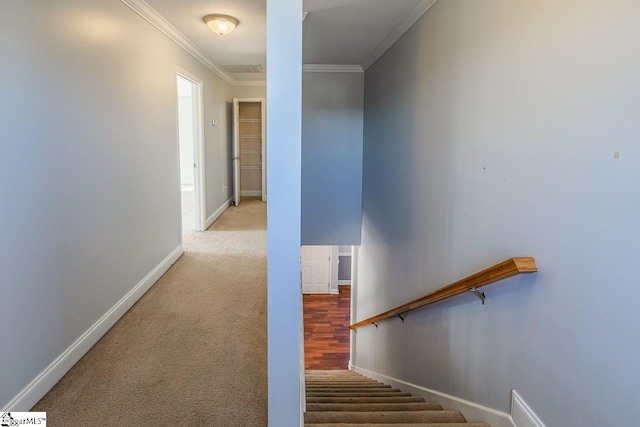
(348, 31)
(245, 45)
(335, 31)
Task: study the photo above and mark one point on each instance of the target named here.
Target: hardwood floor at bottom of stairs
(326, 329)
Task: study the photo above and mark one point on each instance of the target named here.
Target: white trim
(251, 193)
(36, 389)
(331, 68)
(401, 27)
(158, 21)
(263, 130)
(473, 412)
(333, 270)
(521, 414)
(198, 148)
(353, 306)
(147, 12)
(223, 207)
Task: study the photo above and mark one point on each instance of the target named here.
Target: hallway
(193, 349)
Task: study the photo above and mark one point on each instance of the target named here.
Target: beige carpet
(192, 351)
(188, 204)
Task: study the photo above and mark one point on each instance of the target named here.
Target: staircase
(348, 399)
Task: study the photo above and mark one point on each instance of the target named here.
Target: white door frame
(352, 309)
(198, 149)
(263, 124)
(329, 265)
(235, 158)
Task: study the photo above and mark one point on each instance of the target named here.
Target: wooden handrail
(504, 270)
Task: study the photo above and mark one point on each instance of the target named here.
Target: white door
(236, 151)
(315, 266)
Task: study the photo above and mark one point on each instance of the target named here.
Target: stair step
(349, 385)
(354, 381)
(352, 390)
(368, 407)
(358, 378)
(348, 399)
(397, 425)
(337, 377)
(366, 399)
(395, 393)
(385, 417)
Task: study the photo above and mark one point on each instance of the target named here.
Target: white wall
(332, 114)
(89, 127)
(490, 132)
(284, 305)
(250, 91)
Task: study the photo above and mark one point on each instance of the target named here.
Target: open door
(236, 151)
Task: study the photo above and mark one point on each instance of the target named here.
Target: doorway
(315, 269)
(191, 152)
(326, 306)
(249, 174)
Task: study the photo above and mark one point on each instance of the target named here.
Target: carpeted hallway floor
(192, 351)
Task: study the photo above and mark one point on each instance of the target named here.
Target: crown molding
(331, 68)
(410, 18)
(154, 18)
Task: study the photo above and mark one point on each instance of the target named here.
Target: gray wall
(490, 132)
(250, 91)
(89, 125)
(332, 114)
(284, 305)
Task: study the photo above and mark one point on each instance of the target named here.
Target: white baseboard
(522, 414)
(473, 412)
(334, 291)
(36, 389)
(223, 207)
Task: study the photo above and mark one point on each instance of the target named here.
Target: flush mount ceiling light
(221, 24)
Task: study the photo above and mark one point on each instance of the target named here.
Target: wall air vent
(245, 69)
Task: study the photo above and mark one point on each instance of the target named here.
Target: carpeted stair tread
(339, 390)
(365, 399)
(397, 425)
(356, 394)
(348, 399)
(369, 407)
(383, 417)
(349, 385)
(342, 383)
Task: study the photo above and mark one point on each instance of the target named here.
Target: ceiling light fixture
(221, 24)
